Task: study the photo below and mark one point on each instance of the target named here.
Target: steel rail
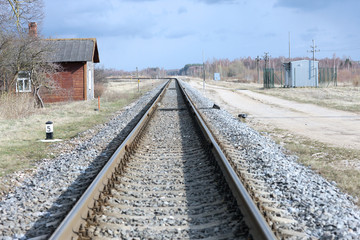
(257, 224)
(69, 227)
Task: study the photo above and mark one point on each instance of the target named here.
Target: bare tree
(31, 55)
(20, 52)
(100, 74)
(22, 12)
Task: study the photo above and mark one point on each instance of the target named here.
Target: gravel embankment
(45, 194)
(171, 188)
(317, 204)
(37, 205)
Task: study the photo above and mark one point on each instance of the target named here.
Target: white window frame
(22, 80)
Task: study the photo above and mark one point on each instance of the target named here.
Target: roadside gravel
(320, 208)
(43, 196)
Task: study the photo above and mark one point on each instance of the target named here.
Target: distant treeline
(154, 72)
(233, 68)
(244, 69)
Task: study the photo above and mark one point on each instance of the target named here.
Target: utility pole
(266, 58)
(334, 71)
(203, 70)
(267, 72)
(313, 51)
(220, 70)
(289, 48)
(258, 67)
(137, 75)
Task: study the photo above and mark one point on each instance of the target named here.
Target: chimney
(32, 29)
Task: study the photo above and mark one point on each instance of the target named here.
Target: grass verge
(339, 165)
(19, 142)
(340, 98)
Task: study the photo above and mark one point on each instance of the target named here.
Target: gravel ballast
(171, 187)
(317, 204)
(36, 206)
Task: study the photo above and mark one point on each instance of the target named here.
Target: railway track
(168, 179)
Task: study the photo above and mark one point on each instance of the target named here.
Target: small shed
(77, 58)
(302, 73)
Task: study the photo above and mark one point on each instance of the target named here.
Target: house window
(23, 83)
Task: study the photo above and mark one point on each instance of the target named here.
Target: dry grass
(356, 81)
(19, 145)
(335, 164)
(99, 89)
(341, 98)
(344, 98)
(348, 77)
(14, 106)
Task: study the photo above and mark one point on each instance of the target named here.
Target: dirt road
(334, 127)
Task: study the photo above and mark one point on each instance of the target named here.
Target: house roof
(74, 50)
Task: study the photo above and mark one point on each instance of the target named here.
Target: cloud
(218, 1)
(178, 34)
(310, 33)
(141, 30)
(140, 0)
(270, 35)
(307, 5)
(182, 10)
(100, 20)
(222, 28)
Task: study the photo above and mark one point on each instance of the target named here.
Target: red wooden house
(77, 58)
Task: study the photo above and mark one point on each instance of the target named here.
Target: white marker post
(49, 130)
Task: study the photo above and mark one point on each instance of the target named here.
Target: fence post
(336, 76)
(328, 75)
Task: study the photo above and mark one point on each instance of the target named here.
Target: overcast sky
(170, 34)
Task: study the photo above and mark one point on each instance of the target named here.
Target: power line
(257, 67)
(338, 50)
(313, 51)
(266, 57)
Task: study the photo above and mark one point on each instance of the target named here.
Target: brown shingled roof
(74, 50)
